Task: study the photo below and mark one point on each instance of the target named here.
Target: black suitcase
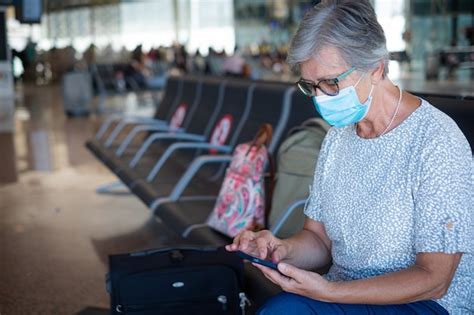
(176, 281)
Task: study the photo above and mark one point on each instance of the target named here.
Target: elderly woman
(391, 205)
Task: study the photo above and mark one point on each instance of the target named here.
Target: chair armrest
(132, 121)
(291, 208)
(179, 146)
(115, 117)
(136, 130)
(188, 176)
(161, 136)
(105, 125)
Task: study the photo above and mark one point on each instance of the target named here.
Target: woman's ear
(377, 74)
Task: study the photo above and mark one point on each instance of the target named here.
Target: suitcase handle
(173, 249)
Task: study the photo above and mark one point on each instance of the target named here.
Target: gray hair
(349, 26)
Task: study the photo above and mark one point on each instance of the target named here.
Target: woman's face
(328, 64)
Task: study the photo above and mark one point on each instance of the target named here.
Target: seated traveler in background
(234, 65)
(392, 200)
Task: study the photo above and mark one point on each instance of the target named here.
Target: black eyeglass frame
(334, 81)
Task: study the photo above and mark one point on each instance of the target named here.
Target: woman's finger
(235, 244)
(245, 239)
(262, 247)
(293, 272)
(267, 275)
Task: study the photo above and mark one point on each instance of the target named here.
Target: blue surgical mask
(343, 109)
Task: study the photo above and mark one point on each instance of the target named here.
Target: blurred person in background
(234, 65)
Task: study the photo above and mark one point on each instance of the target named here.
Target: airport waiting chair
(270, 104)
(114, 124)
(184, 108)
(197, 125)
(186, 215)
(149, 174)
(187, 104)
(103, 144)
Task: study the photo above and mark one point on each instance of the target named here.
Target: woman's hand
(428, 279)
(263, 245)
(298, 281)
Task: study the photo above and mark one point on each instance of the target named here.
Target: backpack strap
(271, 187)
(264, 137)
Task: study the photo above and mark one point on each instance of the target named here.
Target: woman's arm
(310, 248)
(429, 278)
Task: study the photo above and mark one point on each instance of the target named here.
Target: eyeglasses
(327, 86)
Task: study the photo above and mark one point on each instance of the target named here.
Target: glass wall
(436, 25)
(195, 23)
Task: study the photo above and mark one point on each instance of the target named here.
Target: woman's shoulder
(436, 141)
(438, 127)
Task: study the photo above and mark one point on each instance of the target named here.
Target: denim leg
(287, 304)
(292, 304)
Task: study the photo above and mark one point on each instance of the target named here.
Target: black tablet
(256, 260)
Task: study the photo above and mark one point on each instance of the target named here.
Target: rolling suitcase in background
(77, 93)
(177, 281)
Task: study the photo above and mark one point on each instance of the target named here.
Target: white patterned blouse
(384, 200)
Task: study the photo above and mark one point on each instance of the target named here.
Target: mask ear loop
(370, 93)
(360, 79)
(371, 88)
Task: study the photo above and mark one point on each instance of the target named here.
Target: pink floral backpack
(241, 202)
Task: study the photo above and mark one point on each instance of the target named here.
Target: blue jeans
(289, 304)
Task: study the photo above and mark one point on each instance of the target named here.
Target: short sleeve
(443, 196)
(312, 208)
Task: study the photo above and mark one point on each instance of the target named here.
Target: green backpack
(296, 161)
